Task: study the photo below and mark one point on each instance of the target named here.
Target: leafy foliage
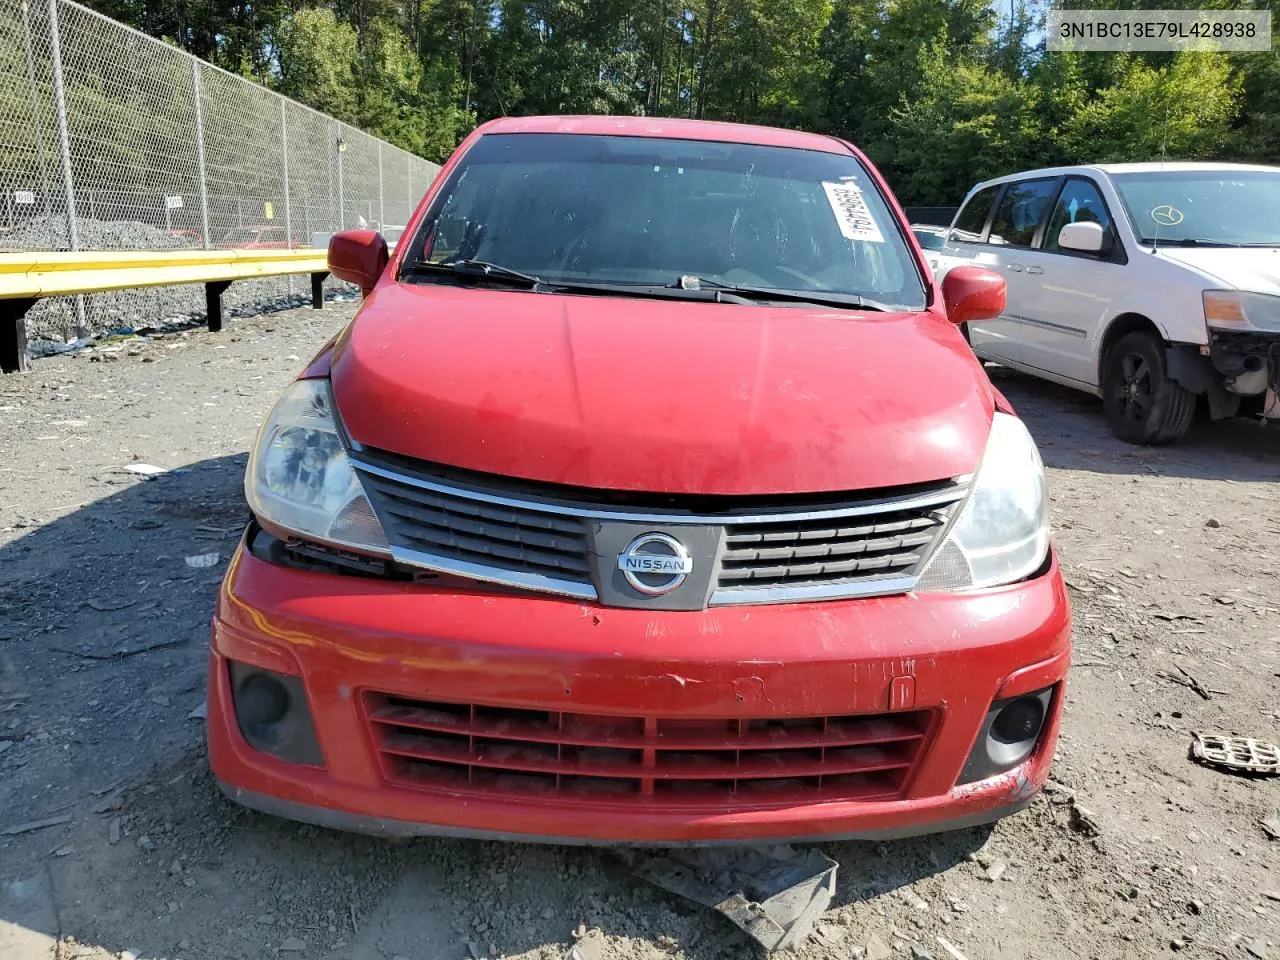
(941, 93)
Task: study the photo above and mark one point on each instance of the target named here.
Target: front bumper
(940, 657)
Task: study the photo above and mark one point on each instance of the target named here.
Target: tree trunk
(662, 59)
(706, 56)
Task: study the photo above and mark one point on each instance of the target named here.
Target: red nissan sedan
(652, 496)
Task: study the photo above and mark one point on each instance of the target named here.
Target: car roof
(1153, 166)
(667, 127)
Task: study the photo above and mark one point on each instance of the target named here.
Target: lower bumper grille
(469, 748)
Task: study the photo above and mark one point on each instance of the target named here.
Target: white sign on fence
(24, 198)
(173, 203)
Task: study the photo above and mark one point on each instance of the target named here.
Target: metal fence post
(284, 170)
(35, 112)
(382, 209)
(64, 146)
(333, 201)
(342, 210)
(204, 186)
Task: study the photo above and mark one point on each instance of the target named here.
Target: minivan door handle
(1015, 267)
(1035, 269)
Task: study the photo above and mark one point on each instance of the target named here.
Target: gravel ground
(1171, 556)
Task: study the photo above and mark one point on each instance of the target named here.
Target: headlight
(299, 478)
(1002, 532)
(1233, 310)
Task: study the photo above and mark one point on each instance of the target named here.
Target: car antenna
(1164, 149)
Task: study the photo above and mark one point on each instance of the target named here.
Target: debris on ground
(586, 949)
(1244, 755)
(34, 825)
(202, 561)
(877, 949)
(1271, 826)
(108, 606)
(144, 469)
(776, 894)
(912, 899)
(201, 712)
(1187, 680)
(950, 948)
(1084, 820)
(996, 870)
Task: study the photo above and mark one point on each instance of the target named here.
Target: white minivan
(1148, 284)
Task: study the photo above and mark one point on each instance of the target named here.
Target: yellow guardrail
(26, 277)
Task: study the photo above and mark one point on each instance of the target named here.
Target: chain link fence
(112, 140)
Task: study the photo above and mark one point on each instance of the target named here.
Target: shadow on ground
(1072, 434)
(103, 645)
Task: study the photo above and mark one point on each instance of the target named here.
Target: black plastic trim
(293, 737)
(989, 756)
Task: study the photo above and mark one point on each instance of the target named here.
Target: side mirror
(359, 257)
(972, 294)
(1085, 237)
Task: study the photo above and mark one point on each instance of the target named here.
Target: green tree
(1183, 111)
(316, 61)
(967, 123)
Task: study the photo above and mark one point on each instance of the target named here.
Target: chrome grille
(474, 533)
(539, 536)
(815, 552)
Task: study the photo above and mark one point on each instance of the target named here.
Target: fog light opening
(262, 701)
(273, 715)
(1008, 735)
(1019, 721)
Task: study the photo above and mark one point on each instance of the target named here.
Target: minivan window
(1020, 211)
(970, 221)
(1079, 202)
(641, 210)
(929, 240)
(1223, 207)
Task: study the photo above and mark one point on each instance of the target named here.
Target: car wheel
(1142, 404)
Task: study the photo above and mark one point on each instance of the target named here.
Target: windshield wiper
(483, 271)
(479, 270)
(1185, 242)
(848, 301)
(707, 291)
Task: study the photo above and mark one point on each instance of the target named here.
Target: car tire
(1142, 404)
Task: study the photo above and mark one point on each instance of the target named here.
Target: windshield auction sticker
(1175, 30)
(847, 203)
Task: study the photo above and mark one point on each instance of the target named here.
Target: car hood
(661, 396)
(1254, 269)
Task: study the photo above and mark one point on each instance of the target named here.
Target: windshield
(1210, 206)
(639, 210)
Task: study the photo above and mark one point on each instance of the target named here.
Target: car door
(966, 246)
(1069, 292)
(1015, 225)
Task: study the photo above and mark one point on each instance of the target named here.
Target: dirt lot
(1173, 557)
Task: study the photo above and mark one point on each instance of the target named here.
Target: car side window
(973, 218)
(1020, 211)
(1079, 202)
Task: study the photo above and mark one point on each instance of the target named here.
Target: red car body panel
(346, 636)
(793, 400)
(659, 397)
